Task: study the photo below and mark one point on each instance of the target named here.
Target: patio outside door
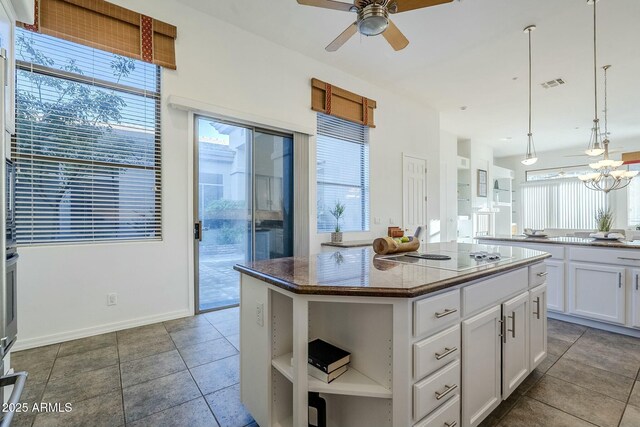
(244, 209)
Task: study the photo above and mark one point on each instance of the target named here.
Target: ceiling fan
(373, 18)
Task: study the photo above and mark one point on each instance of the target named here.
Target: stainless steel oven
(10, 207)
(9, 330)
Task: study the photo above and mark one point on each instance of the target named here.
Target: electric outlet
(112, 299)
(260, 313)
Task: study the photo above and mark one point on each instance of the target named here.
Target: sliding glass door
(244, 205)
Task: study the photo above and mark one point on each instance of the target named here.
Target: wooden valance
(630, 158)
(339, 102)
(103, 25)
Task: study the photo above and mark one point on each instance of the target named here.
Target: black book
(327, 357)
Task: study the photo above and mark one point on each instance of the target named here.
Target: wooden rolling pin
(387, 245)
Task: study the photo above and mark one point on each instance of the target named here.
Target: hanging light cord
(606, 105)
(595, 60)
(529, 85)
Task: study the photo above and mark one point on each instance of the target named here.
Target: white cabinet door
(481, 353)
(537, 326)
(7, 36)
(555, 285)
(597, 291)
(515, 348)
(636, 298)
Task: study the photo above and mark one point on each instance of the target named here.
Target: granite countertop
(359, 272)
(349, 244)
(578, 241)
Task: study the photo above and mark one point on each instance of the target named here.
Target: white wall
(62, 292)
(566, 158)
(448, 186)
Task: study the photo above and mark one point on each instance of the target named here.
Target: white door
(597, 291)
(636, 298)
(515, 348)
(481, 359)
(414, 194)
(537, 326)
(555, 285)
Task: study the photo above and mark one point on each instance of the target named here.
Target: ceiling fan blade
(328, 4)
(405, 5)
(342, 38)
(394, 36)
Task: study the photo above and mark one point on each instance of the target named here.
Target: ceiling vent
(552, 83)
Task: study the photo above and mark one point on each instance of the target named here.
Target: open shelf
(287, 422)
(352, 382)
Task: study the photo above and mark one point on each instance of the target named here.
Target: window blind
(342, 173)
(560, 203)
(87, 144)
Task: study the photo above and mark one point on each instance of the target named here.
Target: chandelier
(606, 176)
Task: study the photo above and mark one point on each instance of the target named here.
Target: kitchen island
(431, 342)
(592, 282)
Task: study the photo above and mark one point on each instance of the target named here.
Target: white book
(323, 376)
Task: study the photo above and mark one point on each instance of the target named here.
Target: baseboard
(594, 324)
(25, 344)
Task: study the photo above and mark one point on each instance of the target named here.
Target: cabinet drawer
(436, 389)
(447, 414)
(433, 314)
(537, 274)
(434, 352)
(606, 256)
(494, 291)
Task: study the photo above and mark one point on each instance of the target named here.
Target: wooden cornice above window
(103, 25)
(629, 158)
(335, 101)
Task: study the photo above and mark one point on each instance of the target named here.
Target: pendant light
(531, 157)
(595, 148)
(606, 176)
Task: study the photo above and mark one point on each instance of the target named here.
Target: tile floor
(185, 373)
(590, 377)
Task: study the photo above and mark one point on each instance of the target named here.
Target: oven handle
(17, 380)
(12, 260)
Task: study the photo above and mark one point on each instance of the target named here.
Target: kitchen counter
(577, 241)
(359, 272)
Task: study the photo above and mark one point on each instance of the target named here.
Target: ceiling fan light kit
(530, 157)
(373, 18)
(605, 176)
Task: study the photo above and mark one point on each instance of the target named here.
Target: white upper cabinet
(597, 291)
(7, 37)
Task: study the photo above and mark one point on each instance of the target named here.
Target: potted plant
(337, 212)
(604, 219)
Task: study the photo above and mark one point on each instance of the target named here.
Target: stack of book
(326, 361)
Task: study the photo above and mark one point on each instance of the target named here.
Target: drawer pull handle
(513, 324)
(537, 312)
(503, 333)
(446, 312)
(620, 280)
(637, 286)
(629, 259)
(451, 424)
(544, 273)
(449, 389)
(447, 351)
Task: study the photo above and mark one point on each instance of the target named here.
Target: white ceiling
(467, 53)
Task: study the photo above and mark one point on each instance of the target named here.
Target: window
(633, 198)
(87, 143)
(560, 203)
(342, 173)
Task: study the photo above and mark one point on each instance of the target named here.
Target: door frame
(405, 157)
(196, 199)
